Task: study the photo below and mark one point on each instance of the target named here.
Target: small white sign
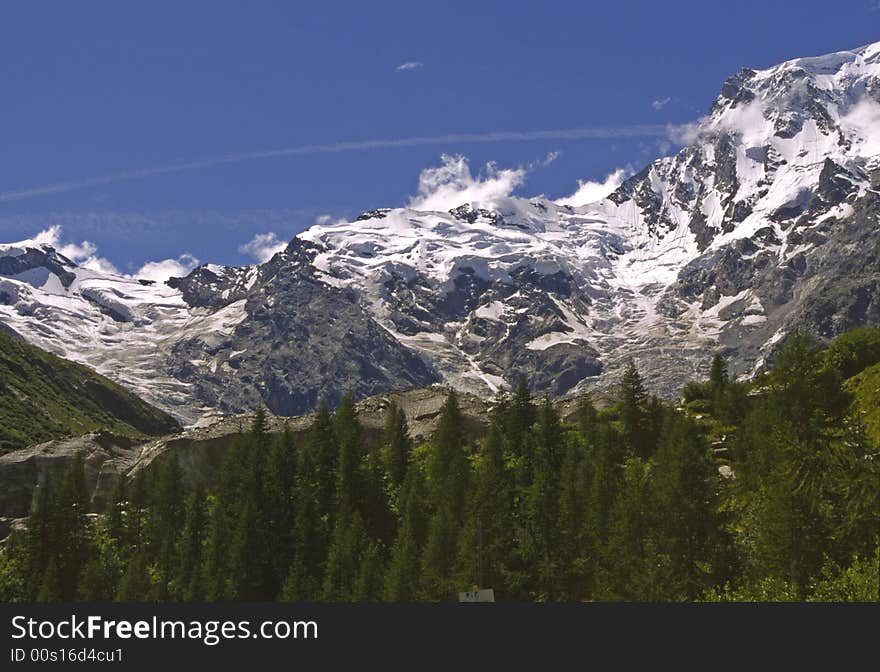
(484, 595)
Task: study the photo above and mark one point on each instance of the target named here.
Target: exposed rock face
(764, 222)
(104, 457)
(301, 341)
(201, 450)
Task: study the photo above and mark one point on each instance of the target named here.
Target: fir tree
(135, 585)
(632, 408)
(396, 444)
(189, 580)
(543, 503)
(403, 581)
(448, 472)
(683, 489)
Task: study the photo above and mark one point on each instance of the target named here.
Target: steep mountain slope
(764, 222)
(221, 339)
(44, 397)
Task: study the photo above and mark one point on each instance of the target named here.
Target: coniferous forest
(760, 490)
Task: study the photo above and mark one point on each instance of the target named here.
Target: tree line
(624, 503)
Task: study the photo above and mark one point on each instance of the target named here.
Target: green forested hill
(759, 490)
(44, 397)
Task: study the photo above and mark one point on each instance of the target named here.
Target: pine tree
(682, 488)
(165, 520)
(397, 445)
(606, 457)
(448, 472)
(52, 588)
(543, 504)
(375, 504)
(369, 584)
(574, 483)
(69, 542)
(485, 549)
(632, 409)
(520, 416)
(136, 511)
(259, 429)
(135, 585)
(628, 570)
(116, 510)
(348, 431)
(215, 570)
(188, 578)
(280, 511)
(718, 372)
(40, 535)
(718, 383)
(319, 458)
(344, 558)
(403, 582)
(249, 570)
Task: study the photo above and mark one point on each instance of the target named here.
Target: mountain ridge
(745, 235)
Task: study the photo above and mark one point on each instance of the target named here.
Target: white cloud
(84, 254)
(263, 246)
(551, 157)
(452, 184)
(409, 65)
(686, 134)
(589, 191)
(862, 122)
(659, 103)
(160, 271)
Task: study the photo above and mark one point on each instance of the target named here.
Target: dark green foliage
(397, 445)
(633, 412)
(135, 585)
(448, 472)
(542, 529)
(403, 581)
(44, 397)
(189, 585)
(683, 490)
(853, 352)
(626, 503)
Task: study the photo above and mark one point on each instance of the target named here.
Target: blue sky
(106, 88)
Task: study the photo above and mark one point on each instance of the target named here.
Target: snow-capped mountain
(765, 222)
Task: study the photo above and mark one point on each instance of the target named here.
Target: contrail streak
(609, 132)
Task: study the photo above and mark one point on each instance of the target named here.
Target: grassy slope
(43, 397)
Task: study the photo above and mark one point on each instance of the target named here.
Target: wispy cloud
(409, 65)
(659, 103)
(263, 246)
(550, 158)
(595, 133)
(589, 191)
